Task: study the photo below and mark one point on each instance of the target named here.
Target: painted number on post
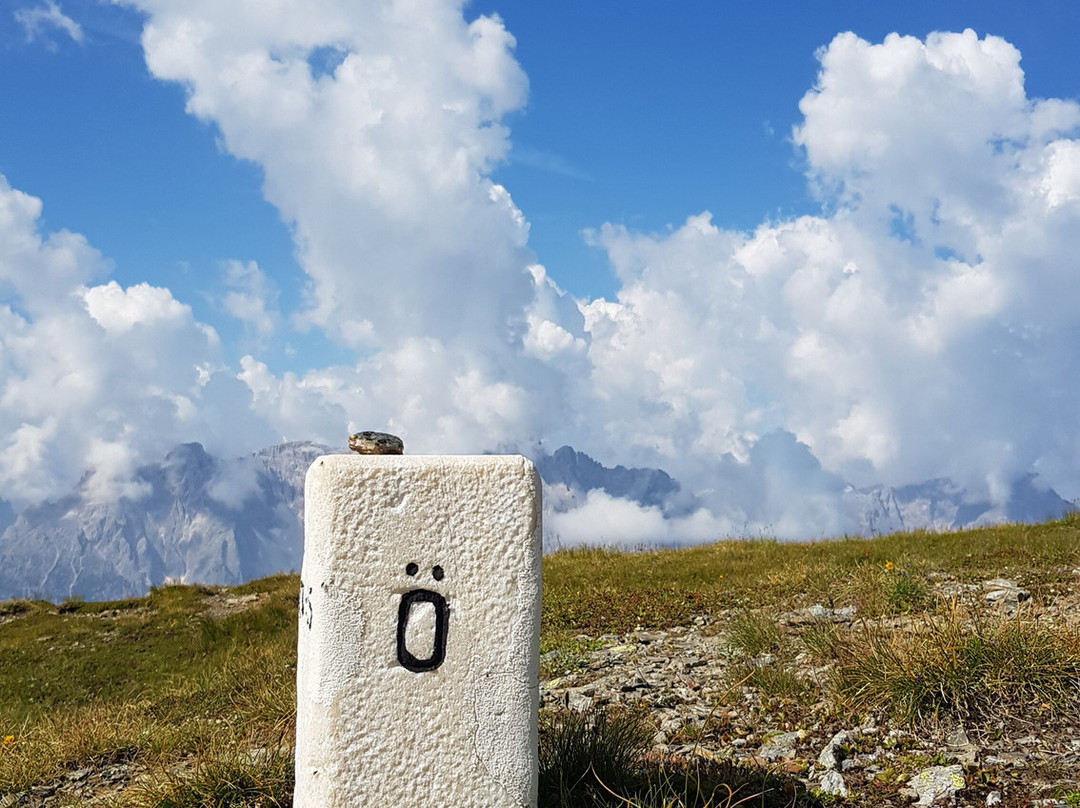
(437, 635)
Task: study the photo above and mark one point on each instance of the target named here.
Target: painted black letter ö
(442, 617)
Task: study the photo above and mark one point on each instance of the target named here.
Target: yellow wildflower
(8, 740)
(890, 566)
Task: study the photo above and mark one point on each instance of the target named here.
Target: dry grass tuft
(960, 664)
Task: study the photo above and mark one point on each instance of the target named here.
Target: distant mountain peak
(187, 527)
(208, 520)
(581, 474)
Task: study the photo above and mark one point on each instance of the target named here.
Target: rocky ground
(81, 787)
(105, 786)
(688, 678)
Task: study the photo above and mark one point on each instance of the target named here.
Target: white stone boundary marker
(418, 669)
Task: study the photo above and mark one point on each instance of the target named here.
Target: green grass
(148, 680)
(964, 667)
(753, 633)
(183, 692)
(822, 641)
(601, 758)
(265, 781)
(79, 653)
(583, 589)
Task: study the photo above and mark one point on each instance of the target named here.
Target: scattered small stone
(578, 701)
(818, 614)
(1002, 591)
(993, 798)
(382, 443)
(648, 636)
(832, 756)
(961, 746)
(779, 746)
(936, 783)
(694, 705)
(833, 783)
(116, 772)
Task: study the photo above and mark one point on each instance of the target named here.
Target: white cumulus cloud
(251, 297)
(923, 325)
(380, 166)
(921, 330)
(95, 379)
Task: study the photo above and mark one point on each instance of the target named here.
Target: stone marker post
(418, 668)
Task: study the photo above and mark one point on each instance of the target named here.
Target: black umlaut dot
(412, 568)
(437, 573)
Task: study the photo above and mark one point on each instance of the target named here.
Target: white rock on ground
(833, 783)
(937, 783)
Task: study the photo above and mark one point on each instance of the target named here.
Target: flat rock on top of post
(376, 443)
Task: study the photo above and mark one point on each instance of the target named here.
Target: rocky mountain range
(940, 505)
(201, 519)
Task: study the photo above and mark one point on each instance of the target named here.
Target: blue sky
(646, 156)
(638, 115)
(659, 110)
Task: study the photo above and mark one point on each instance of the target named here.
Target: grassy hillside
(186, 697)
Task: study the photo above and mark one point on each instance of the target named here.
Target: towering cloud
(921, 329)
(376, 125)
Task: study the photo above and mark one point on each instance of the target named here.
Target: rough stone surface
(417, 673)
(832, 756)
(781, 746)
(937, 783)
(833, 783)
(1005, 593)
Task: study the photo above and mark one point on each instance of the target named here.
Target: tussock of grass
(776, 681)
(753, 633)
(962, 666)
(586, 755)
(886, 588)
(265, 781)
(905, 593)
(600, 759)
(821, 641)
